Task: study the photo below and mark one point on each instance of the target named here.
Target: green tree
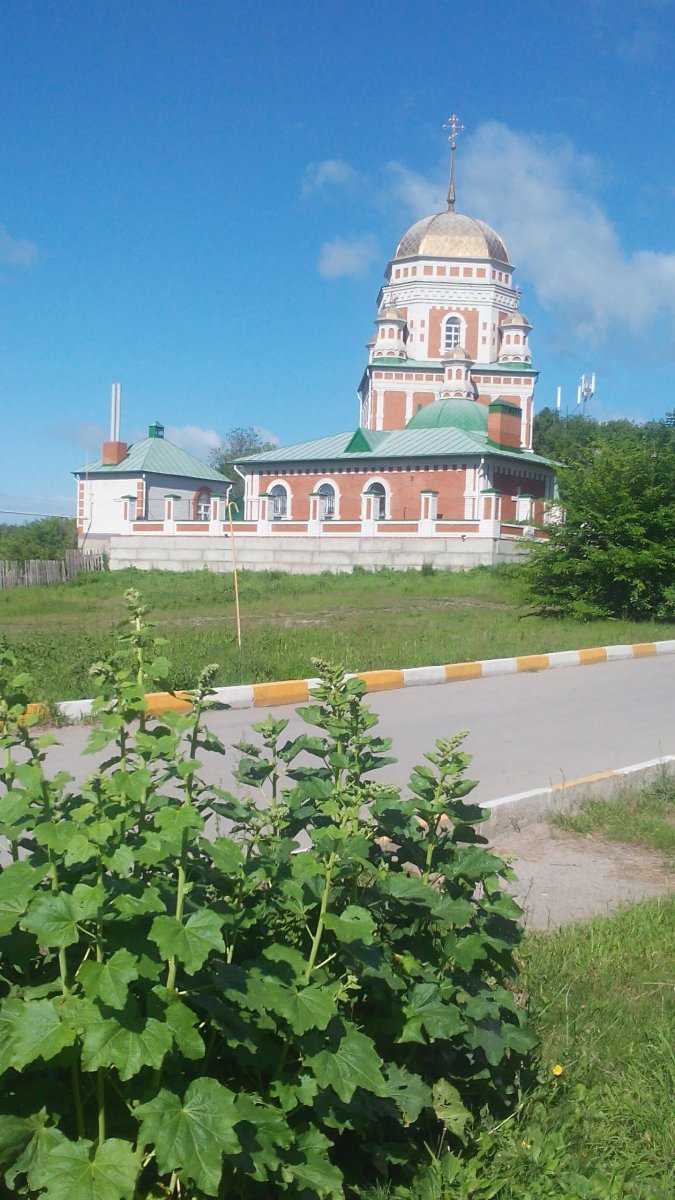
(238, 443)
(573, 439)
(47, 538)
(615, 553)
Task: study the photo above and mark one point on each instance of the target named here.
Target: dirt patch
(567, 877)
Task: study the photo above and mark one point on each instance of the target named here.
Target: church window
(279, 497)
(380, 505)
(451, 333)
(327, 501)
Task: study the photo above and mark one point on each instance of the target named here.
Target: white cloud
(538, 193)
(417, 194)
(194, 439)
(347, 256)
(87, 435)
(330, 172)
(16, 252)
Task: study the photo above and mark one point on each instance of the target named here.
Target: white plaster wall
(103, 507)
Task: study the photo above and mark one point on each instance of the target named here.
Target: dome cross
(454, 125)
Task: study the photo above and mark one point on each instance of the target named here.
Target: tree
(615, 554)
(47, 538)
(238, 443)
(572, 439)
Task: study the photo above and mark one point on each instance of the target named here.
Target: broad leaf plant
(294, 991)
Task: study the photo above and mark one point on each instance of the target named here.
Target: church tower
(448, 322)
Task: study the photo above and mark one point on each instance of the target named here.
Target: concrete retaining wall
(306, 555)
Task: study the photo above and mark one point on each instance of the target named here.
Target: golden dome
(452, 235)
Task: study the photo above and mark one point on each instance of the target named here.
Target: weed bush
(315, 996)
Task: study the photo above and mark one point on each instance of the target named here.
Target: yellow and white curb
(525, 808)
(297, 691)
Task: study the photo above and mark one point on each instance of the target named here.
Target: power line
(13, 512)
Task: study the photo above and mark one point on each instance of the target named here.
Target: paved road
(525, 730)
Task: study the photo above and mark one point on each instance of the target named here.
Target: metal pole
(230, 506)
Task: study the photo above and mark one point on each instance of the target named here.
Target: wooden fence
(48, 570)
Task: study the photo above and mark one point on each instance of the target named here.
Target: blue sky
(199, 200)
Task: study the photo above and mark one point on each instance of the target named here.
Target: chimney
(504, 424)
(114, 450)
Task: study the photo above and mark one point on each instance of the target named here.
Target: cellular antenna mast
(455, 127)
(585, 391)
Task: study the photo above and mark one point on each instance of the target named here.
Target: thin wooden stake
(230, 506)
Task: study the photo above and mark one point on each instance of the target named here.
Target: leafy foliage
(615, 554)
(47, 538)
(574, 439)
(238, 443)
(316, 994)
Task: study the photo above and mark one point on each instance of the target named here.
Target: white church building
(146, 483)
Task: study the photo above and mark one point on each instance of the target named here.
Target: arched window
(327, 501)
(279, 502)
(202, 504)
(380, 506)
(451, 334)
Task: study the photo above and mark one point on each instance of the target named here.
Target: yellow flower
(557, 1069)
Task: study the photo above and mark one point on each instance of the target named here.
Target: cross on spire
(455, 127)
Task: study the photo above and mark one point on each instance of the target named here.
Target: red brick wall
(421, 399)
(393, 410)
(436, 318)
(504, 428)
(513, 484)
(405, 491)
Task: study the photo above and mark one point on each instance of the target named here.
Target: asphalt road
(524, 731)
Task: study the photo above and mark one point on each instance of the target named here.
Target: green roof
(407, 364)
(155, 456)
(451, 413)
(440, 442)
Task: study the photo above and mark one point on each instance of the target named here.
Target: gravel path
(566, 877)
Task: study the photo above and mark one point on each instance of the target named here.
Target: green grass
(643, 816)
(602, 995)
(362, 621)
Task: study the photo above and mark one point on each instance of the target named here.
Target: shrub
(233, 1015)
(615, 554)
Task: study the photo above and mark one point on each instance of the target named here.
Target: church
(439, 469)
(446, 402)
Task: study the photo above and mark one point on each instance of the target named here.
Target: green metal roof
(434, 364)
(519, 368)
(451, 413)
(444, 442)
(155, 456)
(406, 364)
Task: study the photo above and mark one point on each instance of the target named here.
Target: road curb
(526, 808)
(296, 691)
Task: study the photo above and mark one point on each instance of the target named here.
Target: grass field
(644, 816)
(602, 996)
(362, 621)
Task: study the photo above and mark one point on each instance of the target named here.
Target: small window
(279, 498)
(451, 335)
(380, 505)
(203, 507)
(327, 501)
